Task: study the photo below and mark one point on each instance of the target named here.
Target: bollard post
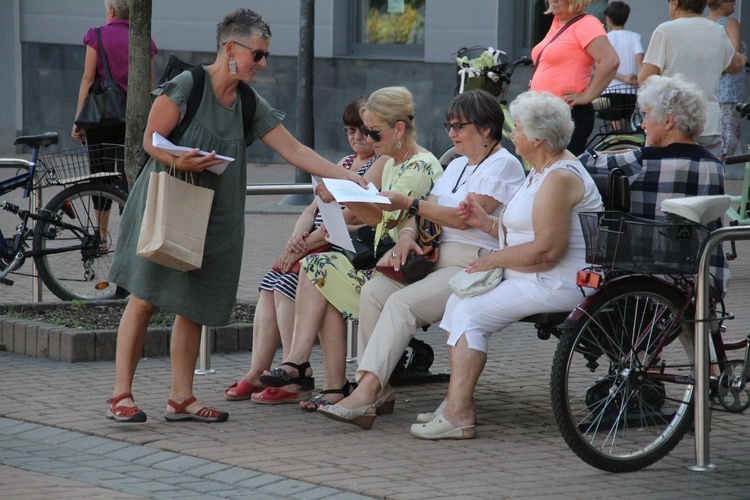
(351, 341)
(204, 355)
(36, 281)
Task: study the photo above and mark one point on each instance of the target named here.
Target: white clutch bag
(466, 284)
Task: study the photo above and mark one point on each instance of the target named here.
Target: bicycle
(74, 236)
(491, 70)
(621, 119)
(622, 380)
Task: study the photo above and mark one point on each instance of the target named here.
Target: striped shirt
(660, 173)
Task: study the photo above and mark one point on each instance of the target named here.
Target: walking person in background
(731, 87)
(564, 61)
(207, 295)
(698, 49)
(116, 46)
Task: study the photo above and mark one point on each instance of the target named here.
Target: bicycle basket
(617, 107)
(76, 165)
(623, 242)
(474, 63)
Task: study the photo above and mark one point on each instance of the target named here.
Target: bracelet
(494, 223)
(408, 229)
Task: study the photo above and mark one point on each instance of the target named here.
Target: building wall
(42, 48)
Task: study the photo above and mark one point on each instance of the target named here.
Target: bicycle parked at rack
(623, 376)
(73, 237)
(491, 70)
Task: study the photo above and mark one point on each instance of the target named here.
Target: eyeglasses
(456, 126)
(372, 134)
(258, 55)
(350, 130)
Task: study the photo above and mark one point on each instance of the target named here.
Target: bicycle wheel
(622, 377)
(448, 156)
(616, 143)
(82, 234)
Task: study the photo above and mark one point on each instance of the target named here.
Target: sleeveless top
(731, 87)
(520, 228)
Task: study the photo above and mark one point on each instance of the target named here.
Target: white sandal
(440, 428)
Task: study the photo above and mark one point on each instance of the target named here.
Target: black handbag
(418, 266)
(364, 255)
(105, 104)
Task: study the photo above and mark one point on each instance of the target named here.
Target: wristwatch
(414, 207)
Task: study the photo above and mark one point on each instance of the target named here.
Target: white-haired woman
(673, 164)
(545, 250)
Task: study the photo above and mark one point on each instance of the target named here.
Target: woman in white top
(545, 250)
(391, 312)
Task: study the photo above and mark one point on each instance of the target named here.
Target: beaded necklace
(455, 188)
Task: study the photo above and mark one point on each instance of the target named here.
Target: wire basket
(618, 108)
(626, 243)
(473, 75)
(77, 165)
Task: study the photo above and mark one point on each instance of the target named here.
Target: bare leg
(310, 308)
(367, 392)
(466, 367)
(184, 347)
(333, 343)
(266, 336)
(131, 337)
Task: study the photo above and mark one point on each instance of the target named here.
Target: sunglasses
(372, 134)
(456, 126)
(258, 55)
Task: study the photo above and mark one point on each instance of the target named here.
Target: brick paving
(55, 441)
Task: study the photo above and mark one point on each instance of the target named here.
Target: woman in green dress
(204, 296)
(329, 286)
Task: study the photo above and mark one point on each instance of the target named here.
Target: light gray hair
(545, 117)
(122, 8)
(665, 95)
(242, 23)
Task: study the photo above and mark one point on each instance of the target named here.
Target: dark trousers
(103, 159)
(583, 117)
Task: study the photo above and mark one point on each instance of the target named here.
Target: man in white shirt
(699, 49)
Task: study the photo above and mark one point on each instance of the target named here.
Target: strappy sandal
(207, 415)
(126, 414)
(319, 399)
(279, 377)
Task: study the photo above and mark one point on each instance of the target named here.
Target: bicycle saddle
(700, 209)
(39, 140)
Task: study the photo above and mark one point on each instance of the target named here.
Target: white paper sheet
(344, 190)
(338, 234)
(161, 142)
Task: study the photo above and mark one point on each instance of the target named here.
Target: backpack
(173, 68)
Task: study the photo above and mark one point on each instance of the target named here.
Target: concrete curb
(43, 340)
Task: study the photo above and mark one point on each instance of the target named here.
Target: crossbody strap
(103, 56)
(562, 30)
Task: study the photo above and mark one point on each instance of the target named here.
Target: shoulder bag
(417, 266)
(562, 30)
(105, 104)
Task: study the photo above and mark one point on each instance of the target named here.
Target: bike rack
(36, 202)
(702, 415)
(204, 355)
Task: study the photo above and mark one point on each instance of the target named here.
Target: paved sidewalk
(55, 441)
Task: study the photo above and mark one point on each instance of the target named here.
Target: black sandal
(320, 399)
(279, 377)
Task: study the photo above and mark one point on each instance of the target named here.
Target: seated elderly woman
(328, 289)
(672, 164)
(545, 250)
(390, 311)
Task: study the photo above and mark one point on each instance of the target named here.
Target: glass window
(386, 28)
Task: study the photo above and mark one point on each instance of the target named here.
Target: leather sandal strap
(301, 369)
(125, 395)
(206, 412)
(180, 407)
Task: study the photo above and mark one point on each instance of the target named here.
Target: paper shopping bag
(175, 221)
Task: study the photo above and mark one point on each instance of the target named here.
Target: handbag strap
(103, 56)
(562, 30)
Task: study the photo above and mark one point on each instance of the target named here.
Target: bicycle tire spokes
(622, 382)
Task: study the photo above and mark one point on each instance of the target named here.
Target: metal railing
(204, 357)
(35, 196)
(702, 416)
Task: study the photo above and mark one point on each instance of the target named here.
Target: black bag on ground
(364, 255)
(173, 68)
(105, 104)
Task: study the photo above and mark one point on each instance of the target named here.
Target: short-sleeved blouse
(205, 295)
